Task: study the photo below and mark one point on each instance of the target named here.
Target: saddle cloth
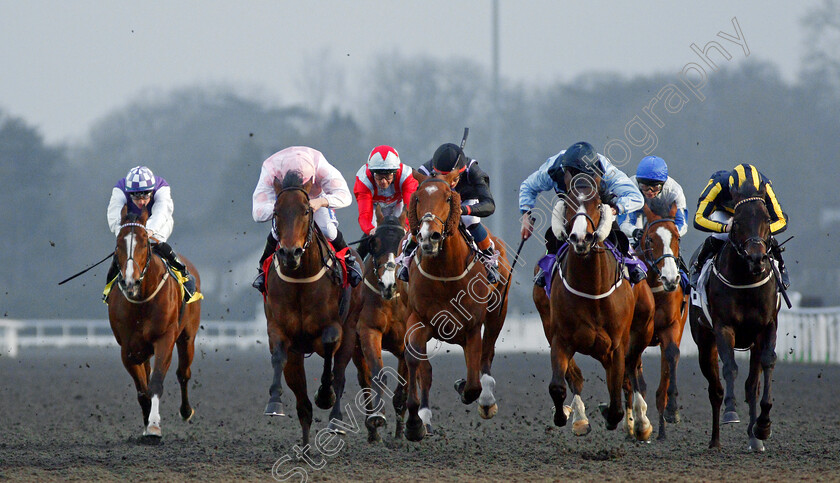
(183, 282)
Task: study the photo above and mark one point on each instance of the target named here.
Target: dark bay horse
(743, 305)
(148, 317)
(594, 311)
(660, 249)
(450, 299)
(303, 292)
(382, 323)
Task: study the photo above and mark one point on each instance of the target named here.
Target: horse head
(660, 243)
(750, 231)
(580, 217)
(434, 214)
(293, 219)
(133, 250)
(384, 246)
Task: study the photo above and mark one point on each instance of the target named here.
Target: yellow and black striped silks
(717, 197)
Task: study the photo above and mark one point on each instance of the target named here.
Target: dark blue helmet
(580, 157)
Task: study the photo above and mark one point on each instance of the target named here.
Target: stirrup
(539, 279)
(402, 273)
(259, 282)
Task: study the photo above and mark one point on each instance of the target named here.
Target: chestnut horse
(743, 305)
(446, 302)
(594, 312)
(303, 291)
(660, 249)
(382, 323)
(148, 317)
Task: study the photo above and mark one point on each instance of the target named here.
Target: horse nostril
(298, 252)
(281, 252)
(589, 237)
(573, 238)
(381, 284)
(435, 237)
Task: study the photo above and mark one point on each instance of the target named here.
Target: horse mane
(659, 207)
(413, 222)
(292, 179)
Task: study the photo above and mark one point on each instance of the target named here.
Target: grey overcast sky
(67, 63)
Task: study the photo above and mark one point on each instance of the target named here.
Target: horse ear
(123, 212)
(649, 214)
(672, 213)
(450, 177)
(377, 210)
(403, 216)
(308, 185)
(420, 177)
(278, 185)
(454, 213)
(144, 216)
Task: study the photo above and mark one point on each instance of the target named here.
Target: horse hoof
(581, 428)
(335, 429)
(188, 416)
(672, 416)
(487, 412)
(756, 445)
(762, 432)
(643, 432)
(152, 432)
(560, 417)
(730, 417)
(375, 420)
(373, 437)
(325, 399)
(415, 431)
(459, 385)
(274, 409)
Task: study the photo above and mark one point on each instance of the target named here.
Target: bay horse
(659, 247)
(382, 323)
(593, 312)
(148, 318)
(450, 299)
(743, 305)
(303, 291)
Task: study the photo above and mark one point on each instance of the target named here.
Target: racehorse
(149, 317)
(743, 306)
(382, 322)
(659, 247)
(303, 310)
(450, 299)
(594, 312)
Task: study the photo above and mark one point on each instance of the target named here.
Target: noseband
(590, 222)
(741, 248)
(654, 264)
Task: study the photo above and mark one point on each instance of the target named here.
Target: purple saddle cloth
(548, 262)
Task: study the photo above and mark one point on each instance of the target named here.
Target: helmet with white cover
(383, 160)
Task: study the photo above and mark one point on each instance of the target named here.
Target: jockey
(622, 194)
(385, 181)
(473, 185)
(715, 209)
(138, 190)
(653, 181)
(329, 191)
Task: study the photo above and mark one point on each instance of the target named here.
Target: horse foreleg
(768, 363)
(343, 356)
(666, 394)
(725, 340)
(296, 379)
(614, 365)
(364, 376)
(471, 388)
(330, 340)
(580, 423)
(163, 357)
(371, 342)
(708, 358)
(415, 355)
(186, 350)
(560, 357)
(139, 374)
(399, 399)
(425, 382)
(279, 356)
(751, 390)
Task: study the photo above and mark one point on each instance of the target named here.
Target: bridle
(310, 212)
(593, 245)
(646, 249)
(741, 248)
(121, 279)
(390, 264)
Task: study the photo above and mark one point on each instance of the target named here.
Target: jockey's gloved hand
(637, 235)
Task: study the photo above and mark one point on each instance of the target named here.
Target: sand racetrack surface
(72, 414)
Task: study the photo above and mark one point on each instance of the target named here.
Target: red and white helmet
(383, 159)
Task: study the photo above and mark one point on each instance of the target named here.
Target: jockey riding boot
(489, 258)
(407, 254)
(634, 270)
(539, 278)
(710, 247)
(776, 251)
(163, 249)
(114, 270)
(270, 247)
(354, 270)
(364, 247)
